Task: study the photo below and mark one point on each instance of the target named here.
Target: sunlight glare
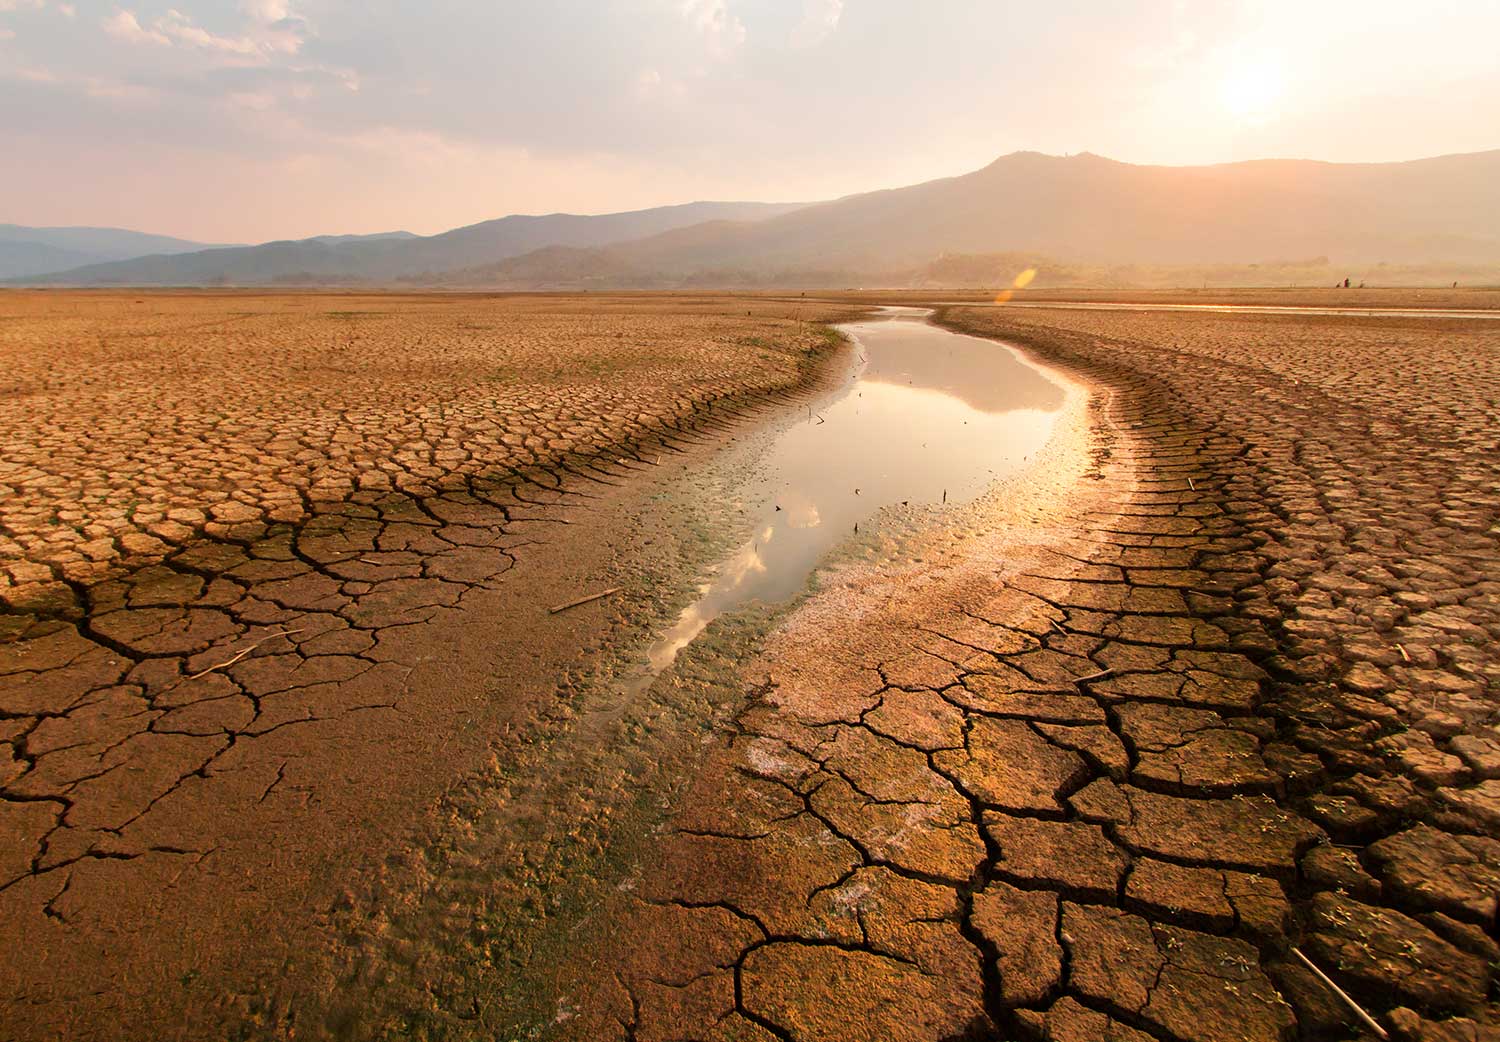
(1252, 89)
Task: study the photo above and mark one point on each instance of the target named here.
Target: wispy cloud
(699, 98)
(266, 11)
(124, 25)
(11, 6)
(719, 27)
(820, 18)
(272, 30)
(181, 28)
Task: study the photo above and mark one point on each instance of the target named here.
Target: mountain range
(1085, 208)
(36, 251)
(397, 255)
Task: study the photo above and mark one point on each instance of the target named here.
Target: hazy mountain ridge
(334, 240)
(26, 250)
(1092, 213)
(391, 256)
(1098, 211)
(1091, 218)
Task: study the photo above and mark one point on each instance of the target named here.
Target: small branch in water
(1359, 1012)
(586, 600)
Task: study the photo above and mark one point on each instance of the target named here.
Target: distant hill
(334, 240)
(1088, 212)
(400, 254)
(1086, 209)
(35, 251)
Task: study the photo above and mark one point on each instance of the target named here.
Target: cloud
(125, 26)
(254, 101)
(349, 78)
(274, 31)
(820, 18)
(114, 90)
(266, 11)
(713, 20)
(180, 28)
(36, 5)
(29, 74)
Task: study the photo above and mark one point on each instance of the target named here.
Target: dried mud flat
(1214, 679)
(1220, 683)
(274, 573)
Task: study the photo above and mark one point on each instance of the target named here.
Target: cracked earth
(1220, 685)
(259, 567)
(1215, 680)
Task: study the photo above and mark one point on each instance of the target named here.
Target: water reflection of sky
(932, 414)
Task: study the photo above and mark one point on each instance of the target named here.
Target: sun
(1252, 89)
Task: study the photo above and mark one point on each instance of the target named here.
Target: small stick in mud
(585, 600)
(1191, 485)
(1368, 1020)
(1054, 625)
(1404, 656)
(1093, 676)
(231, 661)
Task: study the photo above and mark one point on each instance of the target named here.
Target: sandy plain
(1212, 681)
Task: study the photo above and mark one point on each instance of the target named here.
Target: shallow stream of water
(929, 417)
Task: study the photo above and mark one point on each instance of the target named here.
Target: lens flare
(1021, 282)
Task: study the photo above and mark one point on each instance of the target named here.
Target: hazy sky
(244, 120)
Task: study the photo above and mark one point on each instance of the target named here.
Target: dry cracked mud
(274, 574)
(1213, 680)
(1220, 684)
